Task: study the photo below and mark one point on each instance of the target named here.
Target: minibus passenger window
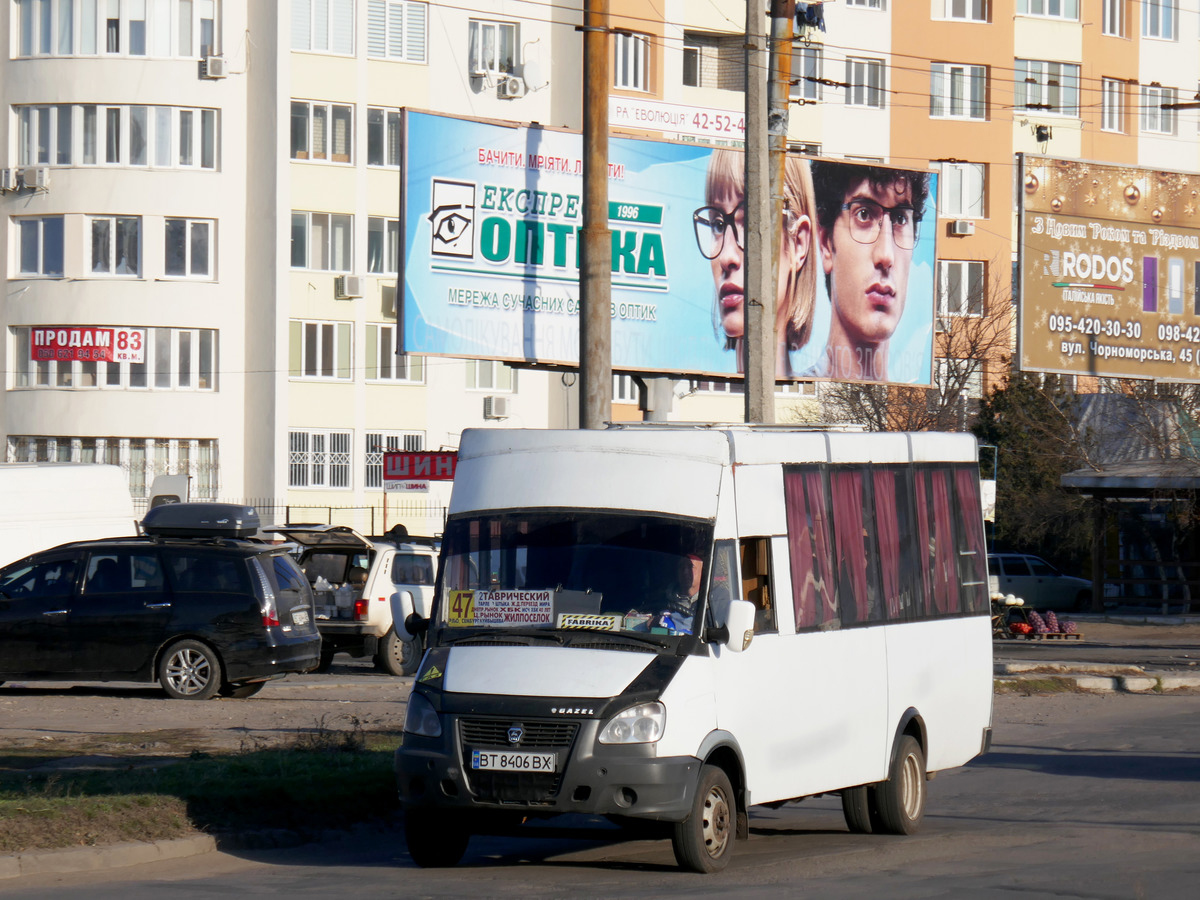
(756, 582)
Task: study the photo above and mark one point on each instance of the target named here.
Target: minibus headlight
(641, 724)
(422, 718)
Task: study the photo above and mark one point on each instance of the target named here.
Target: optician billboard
(1110, 270)
(492, 214)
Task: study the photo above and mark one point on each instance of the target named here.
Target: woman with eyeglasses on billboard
(720, 235)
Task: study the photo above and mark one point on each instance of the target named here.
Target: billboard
(491, 218)
(1110, 270)
(69, 343)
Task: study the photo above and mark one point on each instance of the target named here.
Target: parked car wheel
(703, 842)
(1083, 601)
(325, 662)
(397, 657)
(190, 670)
(243, 690)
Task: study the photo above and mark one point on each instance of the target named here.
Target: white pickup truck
(353, 579)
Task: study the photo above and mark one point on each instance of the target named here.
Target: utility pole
(758, 302)
(595, 263)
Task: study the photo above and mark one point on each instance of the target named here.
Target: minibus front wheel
(703, 842)
(437, 839)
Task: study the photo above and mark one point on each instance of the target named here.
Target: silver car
(1038, 583)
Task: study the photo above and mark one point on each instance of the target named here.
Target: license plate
(514, 761)
(300, 617)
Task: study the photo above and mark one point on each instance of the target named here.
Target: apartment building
(199, 201)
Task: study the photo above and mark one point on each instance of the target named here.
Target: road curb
(1097, 683)
(94, 859)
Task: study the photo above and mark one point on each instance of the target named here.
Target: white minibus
(674, 623)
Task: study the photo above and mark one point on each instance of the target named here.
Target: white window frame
(487, 41)
(967, 277)
(320, 350)
(1113, 105)
(167, 33)
(383, 245)
(491, 375)
(967, 10)
(171, 137)
(320, 458)
(957, 91)
(323, 26)
(1113, 23)
(383, 137)
(108, 268)
(176, 359)
(866, 4)
(1155, 119)
(631, 62)
(198, 261)
(717, 387)
(336, 255)
(384, 364)
(866, 83)
(791, 389)
(331, 114)
(397, 30)
(808, 66)
(1049, 9)
(962, 191)
(379, 442)
(1039, 81)
(1160, 19)
(44, 268)
(625, 389)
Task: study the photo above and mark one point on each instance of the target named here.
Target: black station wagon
(192, 604)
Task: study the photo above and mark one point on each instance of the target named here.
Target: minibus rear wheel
(901, 799)
(436, 839)
(703, 842)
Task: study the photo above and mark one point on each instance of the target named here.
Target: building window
(174, 359)
(89, 135)
(322, 242)
(116, 245)
(1155, 119)
(319, 350)
(713, 60)
(1112, 92)
(960, 288)
(179, 29)
(625, 389)
(493, 48)
(188, 248)
(383, 245)
(1051, 9)
(383, 363)
(491, 375)
(41, 249)
(958, 91)
(383, 137)
(967, 10)
(321, 131)
(379, 442)
(864, 83)
(1051, 88)
(1113, 23)
(631, 62)
(396, 30)
(867, 4)
(323, 26)
(806, 73)
(961, 191)
(1160, 19)
(319, 459)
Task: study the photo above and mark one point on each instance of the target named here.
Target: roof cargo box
(226, 520)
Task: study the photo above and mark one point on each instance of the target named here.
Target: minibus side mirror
(415, 624)
(403, 607)
(738, 628)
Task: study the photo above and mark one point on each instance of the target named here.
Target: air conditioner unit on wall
(36, 177)
(510, 87)
(495, 407)
(9, 180)
(214, 67)
(962, 227)
(346, 287)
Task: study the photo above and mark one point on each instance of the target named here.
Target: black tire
(858, 808)
(324, 663)
(901, 799)
(243, 690)
(1083, 601)
(397, 657)
(190, 670)
(703, 842)
(436, 839)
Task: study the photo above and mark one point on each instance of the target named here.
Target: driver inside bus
(679, 604)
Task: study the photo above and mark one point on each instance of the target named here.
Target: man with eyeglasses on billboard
(867, 218)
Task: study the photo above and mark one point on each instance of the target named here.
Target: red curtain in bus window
(924, 548)
(887, 527)
(800, 550)
(945, 572)
(853, 597)
(818, 507)
(975, 570)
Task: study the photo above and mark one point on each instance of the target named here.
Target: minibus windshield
(581, 570)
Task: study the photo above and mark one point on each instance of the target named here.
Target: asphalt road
(1083, 796)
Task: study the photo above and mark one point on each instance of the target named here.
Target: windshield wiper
(601, 637)
(506, 634)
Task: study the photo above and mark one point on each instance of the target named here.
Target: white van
(677, 623)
